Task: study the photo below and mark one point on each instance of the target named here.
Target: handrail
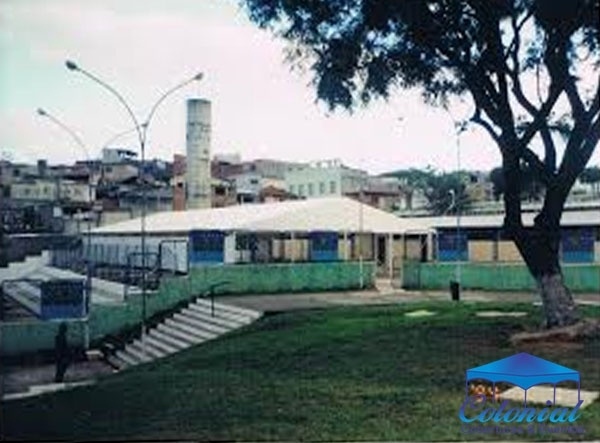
(130, 264)
(210, 292)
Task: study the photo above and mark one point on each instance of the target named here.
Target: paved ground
(20, 379)
(289, 302)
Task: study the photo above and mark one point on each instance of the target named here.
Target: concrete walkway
(290, 302)
(26, 379)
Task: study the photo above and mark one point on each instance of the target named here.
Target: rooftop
(337, 214)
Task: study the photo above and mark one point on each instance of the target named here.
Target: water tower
(197, 174)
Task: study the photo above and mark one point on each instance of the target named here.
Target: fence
(32, 336)
(494, 276)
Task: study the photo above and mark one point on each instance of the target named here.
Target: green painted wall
(494, 277)
(24, 337)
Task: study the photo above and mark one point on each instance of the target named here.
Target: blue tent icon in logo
(524, 370)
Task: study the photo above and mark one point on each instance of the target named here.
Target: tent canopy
(523, 370)
(328, 214)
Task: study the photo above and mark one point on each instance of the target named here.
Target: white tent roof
(569, 219)
(338, 214)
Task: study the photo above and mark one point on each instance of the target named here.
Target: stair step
(215, 324)
(158, 342)
(127, 358)
(137, 353)
(192, 330)
(230, 308)
(115, 362)
(240, 320)
(183, 339)
(199, 324)
(141, 347)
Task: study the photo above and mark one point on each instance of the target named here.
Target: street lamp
(88, 292)
(459, 128)
(142, 131)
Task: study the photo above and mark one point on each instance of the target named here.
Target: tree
(591, 176)
(531, 186)
(522, 64)
(446, 194)
(440, 189)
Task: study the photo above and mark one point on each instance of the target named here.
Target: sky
(260, 108)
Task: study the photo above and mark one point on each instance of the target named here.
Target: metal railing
(210, 292)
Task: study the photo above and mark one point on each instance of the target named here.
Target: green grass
(360, 373)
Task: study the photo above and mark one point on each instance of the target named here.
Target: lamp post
(459, 128)
(88, 281)
(141, 129)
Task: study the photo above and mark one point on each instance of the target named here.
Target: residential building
(53, 190)
(323, 178)
(118, 155)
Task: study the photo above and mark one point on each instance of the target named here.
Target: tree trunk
(559, 306)
(539, 247)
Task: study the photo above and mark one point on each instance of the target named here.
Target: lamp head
(199, 76)
(71, 65)
(41, 112)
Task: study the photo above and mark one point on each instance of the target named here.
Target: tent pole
(525, 397)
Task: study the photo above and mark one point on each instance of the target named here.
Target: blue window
(452, 247)
(323, 246)
(577, 245)
(206, 246)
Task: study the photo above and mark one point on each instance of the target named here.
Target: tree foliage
(490, 49)
(590, 175)
(446, 193)
(527, 66)
(531, 189)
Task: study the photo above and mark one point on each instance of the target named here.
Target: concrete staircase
(192, 325)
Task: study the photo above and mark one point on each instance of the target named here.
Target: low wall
(25, 337)
(494, 276)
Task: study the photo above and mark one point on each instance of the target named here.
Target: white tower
(198, 174)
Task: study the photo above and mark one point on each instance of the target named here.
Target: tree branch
(549, 146)
(477, 118)
(574, 98)
(547, 177)
(591, 140)
(515, 44)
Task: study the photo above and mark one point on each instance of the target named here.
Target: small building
(315, 230)
(53, 190)
(324, 179)
(481, 238)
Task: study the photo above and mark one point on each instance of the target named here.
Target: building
(481, 239)
(118, 155)
(322, 230)
(223, 191)
(384, 193)
(323, 178)
(53, 190)
(118, 172)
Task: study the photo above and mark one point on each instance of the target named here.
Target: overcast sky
(142, 48)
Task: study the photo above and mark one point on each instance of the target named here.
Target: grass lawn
(356, 373)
